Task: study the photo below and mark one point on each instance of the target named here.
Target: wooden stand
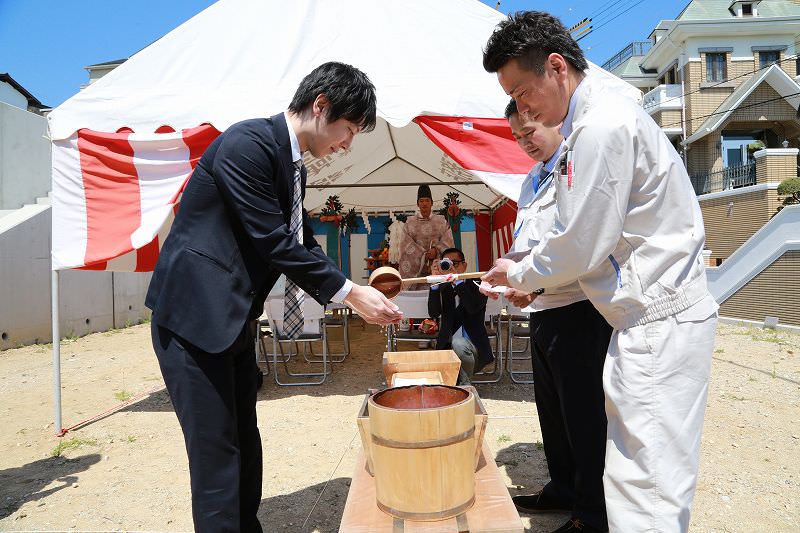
(493, 511)
(446, 362)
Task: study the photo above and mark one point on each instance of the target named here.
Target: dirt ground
(128, 471)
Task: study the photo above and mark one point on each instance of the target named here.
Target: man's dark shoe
(480, 364)
(575, 525)
(539, 502)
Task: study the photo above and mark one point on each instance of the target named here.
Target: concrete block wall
(731, 220)
(89, 301)
(773, 292)
(24, 157)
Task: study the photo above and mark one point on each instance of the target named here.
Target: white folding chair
(339, 318)
(313, 331)
(414, 305)
(263, 330)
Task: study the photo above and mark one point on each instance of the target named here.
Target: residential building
(721, 80)
(101, 69)
(14, 94)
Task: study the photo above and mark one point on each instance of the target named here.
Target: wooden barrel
(423, 451)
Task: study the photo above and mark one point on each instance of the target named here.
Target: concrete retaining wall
(89, 301)
(24, 157)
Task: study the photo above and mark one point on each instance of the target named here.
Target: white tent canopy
(395, 156)
(241, 59)
(244, 58)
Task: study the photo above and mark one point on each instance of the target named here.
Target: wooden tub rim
(371, 400)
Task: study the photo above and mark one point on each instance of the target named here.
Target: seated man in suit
(460, 305)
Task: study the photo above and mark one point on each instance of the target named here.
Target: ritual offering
(387, 280)
(423, 451)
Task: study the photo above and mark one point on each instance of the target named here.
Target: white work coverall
(629, 228)
(535, 214)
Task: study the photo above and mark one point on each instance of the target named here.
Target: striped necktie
(293, 296)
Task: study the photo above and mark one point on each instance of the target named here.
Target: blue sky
(44, 44)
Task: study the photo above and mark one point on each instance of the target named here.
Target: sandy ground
(128, 471)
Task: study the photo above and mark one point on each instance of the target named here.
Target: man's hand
(498, 275)
(436, 270)
(431, 254)
(484, 287)
(519, 298)
(372, 306)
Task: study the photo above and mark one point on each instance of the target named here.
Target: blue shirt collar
(551, 163)
(566, 126)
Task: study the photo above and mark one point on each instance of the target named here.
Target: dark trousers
(568, 348)
(475, 328)
(214, 396)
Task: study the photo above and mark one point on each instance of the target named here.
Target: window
(747, 9)
(716, 69)
(766, 59)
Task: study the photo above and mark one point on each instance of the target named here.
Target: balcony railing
(636, 48)
(725, 179)
(663, 97)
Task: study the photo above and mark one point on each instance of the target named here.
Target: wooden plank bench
(493, 512)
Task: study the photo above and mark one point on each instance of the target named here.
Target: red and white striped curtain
(486, 147)
(115, 195)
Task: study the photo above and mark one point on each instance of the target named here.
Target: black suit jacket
(230, 240)
(470, 311)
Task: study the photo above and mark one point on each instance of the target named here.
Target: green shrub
(790, 190)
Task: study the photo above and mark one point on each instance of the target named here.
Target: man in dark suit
(460, 305)
(239, 227)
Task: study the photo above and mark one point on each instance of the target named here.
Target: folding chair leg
(337, 358)
(514, 373)
(326, 371)
(261, 347)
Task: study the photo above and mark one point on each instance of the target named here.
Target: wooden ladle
(388, 281)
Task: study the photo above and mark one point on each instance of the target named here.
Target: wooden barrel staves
(423, 451)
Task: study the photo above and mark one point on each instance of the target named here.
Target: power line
(614, 9)
(603, 7)
(606, 22)
(787, 58)
(755, 104)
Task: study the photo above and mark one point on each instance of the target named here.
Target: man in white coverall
(629, 228)
(569, 341)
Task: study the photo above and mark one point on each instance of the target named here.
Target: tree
(790, 189)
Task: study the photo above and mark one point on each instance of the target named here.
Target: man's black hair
(511, 109)
(453, 251)
(349, 91)
(529, 37)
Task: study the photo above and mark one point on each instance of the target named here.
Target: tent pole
(56, 351)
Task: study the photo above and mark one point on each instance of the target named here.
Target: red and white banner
(115, 195)
(485, 147)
